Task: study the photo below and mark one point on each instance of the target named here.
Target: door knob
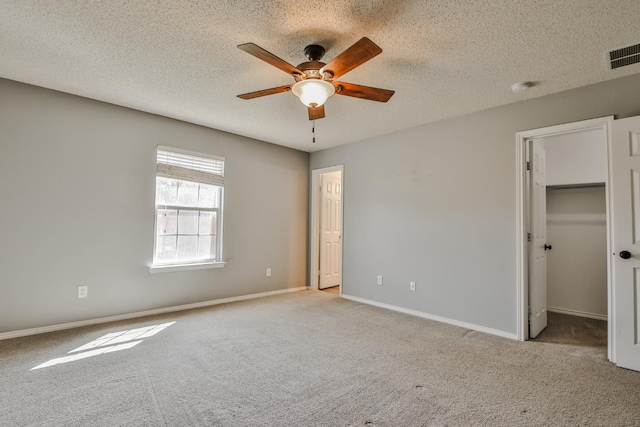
(547, 247)
(625, 254)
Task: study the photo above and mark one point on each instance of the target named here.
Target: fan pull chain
(313, 131)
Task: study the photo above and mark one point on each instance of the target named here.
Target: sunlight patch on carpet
(114, 341)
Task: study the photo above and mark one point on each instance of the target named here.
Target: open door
(330, 230)
(538, 241)
(625, 162)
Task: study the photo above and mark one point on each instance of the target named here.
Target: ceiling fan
(315, 80)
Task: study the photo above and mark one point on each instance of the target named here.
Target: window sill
(184, 267)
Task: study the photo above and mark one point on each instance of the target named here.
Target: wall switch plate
(268, 272)
(412, 286)
(83, 291)
(380, 280)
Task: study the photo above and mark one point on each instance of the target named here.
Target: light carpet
(308, 359)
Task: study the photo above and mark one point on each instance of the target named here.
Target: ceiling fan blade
(364, 92)
(316, 112)
(359, 53)
(265, 92)
(260, 53)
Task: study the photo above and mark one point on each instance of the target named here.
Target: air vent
(624, 56)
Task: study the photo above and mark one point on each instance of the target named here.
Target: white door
(538, 241)
(330, 229)
(626, 232)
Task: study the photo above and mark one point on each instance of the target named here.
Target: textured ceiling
(444, 58)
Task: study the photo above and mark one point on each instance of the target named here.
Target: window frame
(219, 210)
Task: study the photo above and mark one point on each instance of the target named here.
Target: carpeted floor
(307, 359)
(574, 330)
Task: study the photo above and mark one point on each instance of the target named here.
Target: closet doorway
(566, 232)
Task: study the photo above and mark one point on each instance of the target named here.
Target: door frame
(522, 221)
(314, 226)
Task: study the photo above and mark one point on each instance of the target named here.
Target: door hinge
(528, 166)
(529, 309)
(528, 237)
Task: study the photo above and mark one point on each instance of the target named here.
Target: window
(189, 196)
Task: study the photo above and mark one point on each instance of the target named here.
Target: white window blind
(189, 167)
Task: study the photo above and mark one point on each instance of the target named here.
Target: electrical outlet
(412, 286)
(268, 272)
(83, 291)
(380, 280)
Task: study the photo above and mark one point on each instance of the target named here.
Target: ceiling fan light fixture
(313, 92)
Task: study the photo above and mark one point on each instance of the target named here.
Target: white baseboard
(433, 317)
(89, 322)
(578, 313)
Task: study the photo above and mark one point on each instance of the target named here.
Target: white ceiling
(444, 58)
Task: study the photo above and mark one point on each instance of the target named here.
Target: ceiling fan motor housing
(310, 69)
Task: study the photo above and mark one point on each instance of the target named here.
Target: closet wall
(577, 264)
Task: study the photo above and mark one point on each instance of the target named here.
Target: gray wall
(577, 264)
(77, 182)
(436, 204)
